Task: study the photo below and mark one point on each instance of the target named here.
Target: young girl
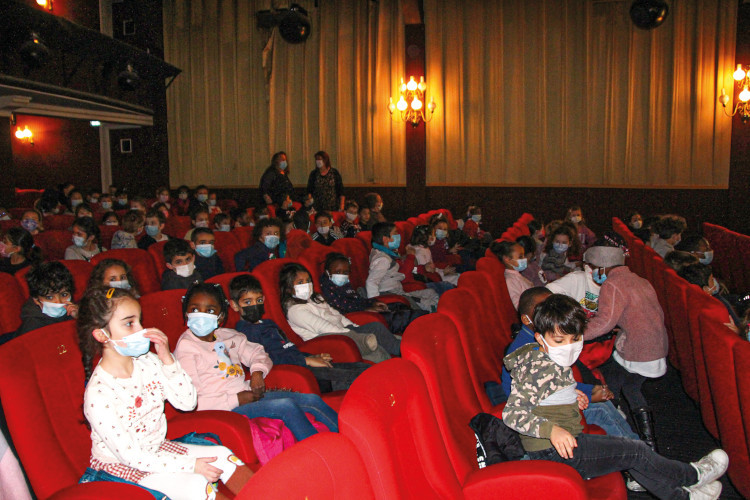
(214, 357)
(17, 251)
(587, 237)
(86, 237)
(124, 404)
(533, 271)
(471, 226)
(110, 219)
(511, 254)
(31, 220)
(269, 245)
(443, 255)
(309, 315)
(440, 280)
(113, 273)
(560, 243)
(162, 196)
(132, 224)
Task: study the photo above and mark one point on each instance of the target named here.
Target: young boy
(544, 408)
(198, 218)
(349, 228)
(181, 271)
(207, 263)
(51, 291)
(387, 271)
(222, 222)
(269, 245)
(155, 222)
(247, 299)
(326, 233)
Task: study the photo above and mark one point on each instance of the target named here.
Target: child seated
(308, 207)
(181, 205)
(667, 233)
(586, 236)
(365, 218)
(702, 275)
(387, 272)
(544, 407)
(17, 251)
(241, 217)
(560, 243)
(511, 254)
(31, 220)
(110, 219)
(349, 226)
(105, 202)
(86, 237)
(113, 273)
(198, 218)
(677, 260)
(207, 263)
(471, 225)
(50, 299)
(310, 316)
(440, 280)
(124, 405)
(132, 224)
(301, 221)
(138, 203)
(444, 255)
(698, 246)
(269, 245)
(213, 207)
(339, 293)
(536, 230)
(155, 222)
(83, 210)
(247, 299)
(181, 271)
(286, 208)
(533, 271)
(326, 233)
(214, 357)
(222, 222)
(162, 196)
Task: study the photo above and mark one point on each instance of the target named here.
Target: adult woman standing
(325, 185)
(275, 183)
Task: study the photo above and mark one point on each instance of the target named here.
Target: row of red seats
(731, 253)
(712, 359)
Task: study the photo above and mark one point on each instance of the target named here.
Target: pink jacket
(517, 284)
(629, 301)
(217, 373)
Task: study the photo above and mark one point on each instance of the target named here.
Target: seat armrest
(531, 479)
(341, 348)
(296, 378)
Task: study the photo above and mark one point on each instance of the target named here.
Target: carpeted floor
(679, 429)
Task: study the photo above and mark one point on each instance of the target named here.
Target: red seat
(11, 301)
(81, 271)
(314, 259)
(244, 235)
(156, 251)
(355, 249)
(227, 245)
(7, 224)
(366, 238)
(53, 243)
(58, 222)
(143, 268)
(678, 312)
(224, 280)
(326, 465)
(297, 242)
(42, 384)
(163, 310)
(495, 272)
(27, 197)
(177, 225)
(388, 415)
(106, 235)
(405, 229)
(226, 205)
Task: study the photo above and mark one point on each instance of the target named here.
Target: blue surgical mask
(225, 227)
(339, 279)
(522, 263)
(708, 257)
(79, 241)
(29, 224)
(560, 247)
(271, 241)
(393, 245)
(135, 344)
(441, 234)
(54, 310)
(599, 278)
(206, 250)
(282, 165)
(125, 285)
(476, 218)
(106, 205)
(75, 203)
(202, 324)
(202, 197)
(152, 230)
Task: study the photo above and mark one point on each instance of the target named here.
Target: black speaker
(648, 14)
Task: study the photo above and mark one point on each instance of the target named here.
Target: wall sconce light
(411, 102)
(47, 4)
(742, 77)
(25, 135)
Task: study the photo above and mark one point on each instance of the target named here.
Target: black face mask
(253, 314)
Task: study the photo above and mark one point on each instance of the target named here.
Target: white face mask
(324, 230)
(637, 224)
(319, 163)
(564, 355)
(185, 270)
(350, 217)
(303, 291)
(575, 219)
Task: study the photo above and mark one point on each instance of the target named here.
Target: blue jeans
(440, 286)
(599, 455)
(606, 416)
(290, 407)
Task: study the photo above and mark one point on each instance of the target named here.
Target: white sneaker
(710, 491)
(710, 468)
(633, 485)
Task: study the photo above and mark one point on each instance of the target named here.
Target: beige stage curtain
(245, 93)
(570, 93)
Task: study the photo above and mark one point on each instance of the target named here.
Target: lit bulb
(401, 104)
(19, 133)
(422, 85)
(43, 3)
(412, 85)
(403, 86)
(391, 106)
(745, 95)
(27, 133)
(739, 74)
(432, 105)
(723, 98)
(416, 104)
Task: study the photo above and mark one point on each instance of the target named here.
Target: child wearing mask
(207, 262)
(162, 196)
(560, 243)
(586, 236)
(533, 271)
(31, 220)
(511, 254)
(198, 218)
(86, 237)
(223, 223)
(702, 275)
(667, 233)
(213, 207)
(113, 273)
(440, 280)
(269, 245)
(17, 251)
(155, 222)
(349, 226)
(471, 225)
(698, 246)
(326, 233)
(181, 272)
(132, 225)
(444, 255)
(181, 205)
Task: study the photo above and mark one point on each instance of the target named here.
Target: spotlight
(294, 23)
(128, 79)
(648, 14)
(33, 51)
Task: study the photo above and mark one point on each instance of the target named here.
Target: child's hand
(601, 393)
(257, 384)
(379, 307)
(267, 199)
(563, 441)
(583, 400)
(161, 342)
(247, 397)
(410, 250)
(449, 270)
(318, 361)
(456, 248)
(429, 267)
(204, 468)
(72, 310)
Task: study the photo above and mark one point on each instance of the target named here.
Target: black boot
(644, 422)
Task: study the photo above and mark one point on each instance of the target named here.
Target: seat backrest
(7, 224)
(163, 310)
(355, 249)
(53, 243)
(177, 225)
(227, 245)
(500, 321)
(58, 222)
(314, 259)
(156, 251)
(142, 264)
(496, 273)
(636, 253)
(41, 387)
(244, 235)
(405, 229)
(326, 465)
(297, 242)
(106, 233)
(81, 271)
(388, 416)
(268, 274)
(224, 280)
(678, 313)
(11, 301)
(366, 238)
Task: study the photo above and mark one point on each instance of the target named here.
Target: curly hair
(270, 222)
(48, 278)
(97, 275)
(212, 289)
(566, 228)
(88, 225)
(420, 237)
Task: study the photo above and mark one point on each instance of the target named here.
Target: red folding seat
(499, 321)
(226, 205)
(42, 385)
(718, 237)
(648, 263)
(156, 251)
(326, 465)
(737, 252)
(244, 235)
(388, 415)
(366, 238)
(636, 252)
(526, 218)
(314, 259)
(227, 245)
(338, 217)
(27, 197)
(142, 264)
(446, 213)
(17, 212)
(740, 371)
(416, 221)
(7, 224)
(718, 347)
(678, 313)
(163, 310)
(53, 243)
(667, 275)
(359, 256)
(224, 280)
(297, 242)
(177, 225)
(61, 222)
(81, 271)
(11, 301)
(495, 271)
(106, 233)
(405, 229)
(22, 283)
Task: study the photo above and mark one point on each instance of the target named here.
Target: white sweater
(127, 415)
(383, 276)
(311, 319)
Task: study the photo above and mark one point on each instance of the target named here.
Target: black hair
(89, 226)
(690, 243)
(183, 188)
(528, 297)
(94, 312)
(132, 220)
(301, 220)
(528, 244)
(201, 186)
(212, 289)
(82, 206)
(677, 259)
(161, 189)
(535, 225)
(333, 257)
(219, 218)
(287, 275)
(20, 237)
(48, 278)
(566, 228)
(242, 284)
(175, 247)
(668, 226)
(437, 218)
(502, 248)
(351, 203)
(198, 231)
(629, 215)
(325, 214)
(200, 208)
(325, 157)
(696, 274)
(109, 214)
(420, 237)
(270, 222)
(97, 275)
(371, 200)
(155, 213)
(382, 230)
(275, 158)
(559, 313)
